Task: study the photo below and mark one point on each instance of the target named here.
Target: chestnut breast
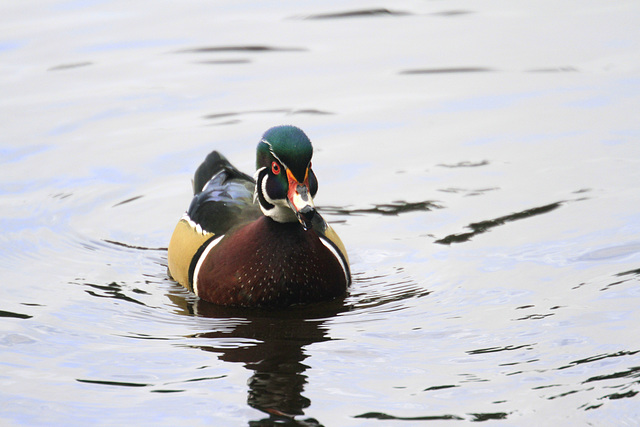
(267, 263)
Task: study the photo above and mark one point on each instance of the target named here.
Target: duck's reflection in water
(277, 353)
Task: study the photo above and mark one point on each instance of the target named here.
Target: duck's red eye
(275, 168)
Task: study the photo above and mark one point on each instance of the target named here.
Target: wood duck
(230, 250)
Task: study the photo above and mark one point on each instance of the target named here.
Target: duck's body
(252, 245)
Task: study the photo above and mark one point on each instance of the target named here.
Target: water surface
(480, 162)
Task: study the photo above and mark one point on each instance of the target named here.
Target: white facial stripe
(338, 256)
(255, 178)
(255, 175)
(203, 256)
(263, 188)
(272, 153)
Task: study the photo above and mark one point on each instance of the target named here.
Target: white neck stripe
(338, 256)
(203, 256)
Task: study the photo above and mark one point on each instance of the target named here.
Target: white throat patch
(281, 211)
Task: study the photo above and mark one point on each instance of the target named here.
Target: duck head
(285, 183)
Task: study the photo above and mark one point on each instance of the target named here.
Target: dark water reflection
(274, 351)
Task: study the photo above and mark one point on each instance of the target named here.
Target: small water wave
(236, 61)
(128, 200)
(383, 293)
(14, 315)
(611, 253)
(611, 282)
(598, 358)
(465, 164)
(362, 13)
(624, 381)
(468, 192)
(560, 69)
(70, 66)
(246, 50)
(136, 247)
(113, 290)
(499, 349)
(113, 383)
(448, 70)
(240, 48)
(474, 417)
(232, 117)
(158, 387)
(485, 226)
(394, 208)
(479, 69)
(384, 416)
(453, 12)
(378, 12)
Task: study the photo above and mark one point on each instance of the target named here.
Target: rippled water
(480, 162)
